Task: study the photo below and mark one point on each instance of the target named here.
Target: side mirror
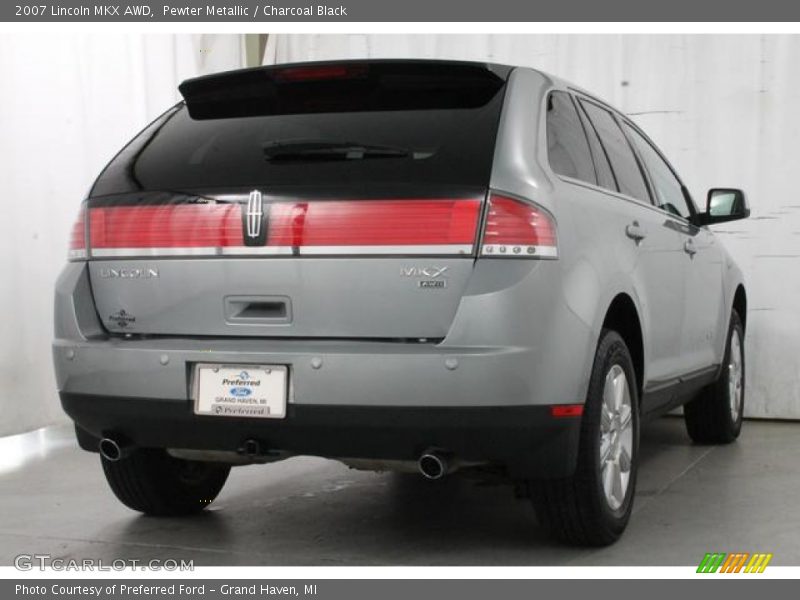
(724, 204)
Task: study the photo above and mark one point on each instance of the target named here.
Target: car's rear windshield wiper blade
(314, 150)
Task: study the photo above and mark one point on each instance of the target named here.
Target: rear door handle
(635, 232)
(689, 247)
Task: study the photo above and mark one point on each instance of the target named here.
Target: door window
(623, 161)
(605, 176)
(668, 189)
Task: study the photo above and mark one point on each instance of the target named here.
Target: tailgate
(355, 298)
(248, 267)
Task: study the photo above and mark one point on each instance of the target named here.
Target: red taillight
(77, 238)
(166, 229)
(517, 229)
(566, 410)
(375, 226)
(317, 227)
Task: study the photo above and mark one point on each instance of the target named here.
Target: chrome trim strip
(126, 252)
(384, 250)
(436, 249)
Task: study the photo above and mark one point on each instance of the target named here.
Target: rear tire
(593, 506)
(715, 415)
(152, 482)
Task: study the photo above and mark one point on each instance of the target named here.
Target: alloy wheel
(735, 375)
(616, 437)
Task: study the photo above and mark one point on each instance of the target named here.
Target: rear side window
(363, 130)
(668, 189)
(629, 176)
(567, 147)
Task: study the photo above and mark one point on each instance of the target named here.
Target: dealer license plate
(256, 391)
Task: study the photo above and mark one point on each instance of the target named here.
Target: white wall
(725, 109)
(67, 104)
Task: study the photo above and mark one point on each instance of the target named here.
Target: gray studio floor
(691, 500)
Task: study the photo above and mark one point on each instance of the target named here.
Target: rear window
(567, 147)
(371, 129)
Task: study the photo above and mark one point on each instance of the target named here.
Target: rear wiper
(321, 150)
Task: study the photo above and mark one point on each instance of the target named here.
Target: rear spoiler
(348, 86)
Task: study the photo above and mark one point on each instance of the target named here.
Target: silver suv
(404, 265)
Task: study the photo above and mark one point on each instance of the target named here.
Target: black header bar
(268, 11)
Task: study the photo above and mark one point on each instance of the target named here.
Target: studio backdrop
(67, 104)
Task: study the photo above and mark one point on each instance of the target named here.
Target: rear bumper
(527, 440)
(330, 373)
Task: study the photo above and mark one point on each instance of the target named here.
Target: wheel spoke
(608, 478)
(608, 394)
(619, 391)
(605, 449)
(624, 460)
(626, 417)
(606, 419)
(617, 491)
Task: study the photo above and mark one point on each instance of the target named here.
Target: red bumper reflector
(566, 410)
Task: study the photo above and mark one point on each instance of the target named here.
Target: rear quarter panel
(562, 303)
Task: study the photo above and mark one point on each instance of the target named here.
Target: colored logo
(244, 375)
(735, 562)
(240, 392)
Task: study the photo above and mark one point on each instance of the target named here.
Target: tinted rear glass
(567, 146)
(430, 134)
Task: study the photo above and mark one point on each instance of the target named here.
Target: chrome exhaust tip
(432, 465)
(111, 450)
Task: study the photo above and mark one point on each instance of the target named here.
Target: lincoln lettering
(69, 11)
(129, 273)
